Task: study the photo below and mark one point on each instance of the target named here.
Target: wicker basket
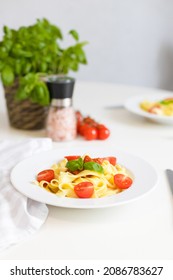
(24, 114)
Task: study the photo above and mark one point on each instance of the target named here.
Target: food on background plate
(78, 176)
(162, 107)
(90, 129)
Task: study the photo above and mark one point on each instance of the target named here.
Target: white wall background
(130, 41)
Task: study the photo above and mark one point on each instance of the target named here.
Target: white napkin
(19, 215)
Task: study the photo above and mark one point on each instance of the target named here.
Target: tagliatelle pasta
(162, 107)
(84, 171)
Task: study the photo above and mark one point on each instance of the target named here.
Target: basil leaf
(93, 166)
(21, 94)
(166, 102)
(7, 31)
(74, 165)
(74, 34)
(1, 65)
(40, 94)
(18, 67)
(7, 75)
(3, 52)
(27, 68)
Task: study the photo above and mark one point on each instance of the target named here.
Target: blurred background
(130, 41)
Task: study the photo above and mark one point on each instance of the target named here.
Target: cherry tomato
(46, 175)
(72, 157)
(98, 160)
(90, 121)
(90, 133)
(82, 128)
(112, 160)
(103, 132)
(87, 159)
(84, 189)
(122, 181)
(79, 119)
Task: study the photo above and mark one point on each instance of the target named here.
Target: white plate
(132, 105)
(22, 175)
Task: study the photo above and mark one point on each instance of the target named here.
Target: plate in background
(133, 105)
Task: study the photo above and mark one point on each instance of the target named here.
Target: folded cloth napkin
(19, 215)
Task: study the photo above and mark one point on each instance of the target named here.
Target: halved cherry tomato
(46, 175)
(122, 181)
(103, 132)
(87, 159)
(98, 160)
(72, 157)
(112, 160)
(90, 133)
(84, 189)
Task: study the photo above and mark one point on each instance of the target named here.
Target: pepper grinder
(61, 120)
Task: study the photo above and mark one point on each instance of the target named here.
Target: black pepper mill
(61, 120)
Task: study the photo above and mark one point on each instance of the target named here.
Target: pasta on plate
(162, 107)
(85, 177)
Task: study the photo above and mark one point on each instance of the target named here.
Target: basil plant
(32, 52)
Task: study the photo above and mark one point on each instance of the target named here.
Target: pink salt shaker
(61, 120)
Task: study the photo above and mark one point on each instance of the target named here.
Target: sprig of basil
(79, 164)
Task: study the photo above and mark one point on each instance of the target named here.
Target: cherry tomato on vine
(79, 119)
(103, 132)
(90, 121)
(90, 133)
(122, 181)
(82, 128)
(46, 175)
(84, 189)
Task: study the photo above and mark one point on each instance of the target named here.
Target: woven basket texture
(24, 114)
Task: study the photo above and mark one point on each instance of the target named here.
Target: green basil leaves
(93, 166)
(74, 165)
(79, 164)
(34, 51)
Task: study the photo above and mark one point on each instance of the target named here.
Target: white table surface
(142, 229)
